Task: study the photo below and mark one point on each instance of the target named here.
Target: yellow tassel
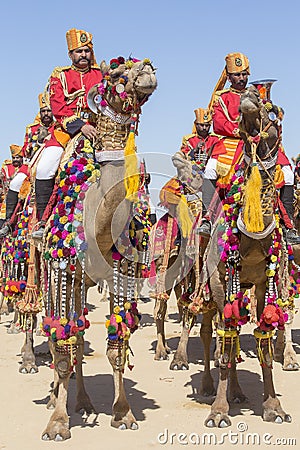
(184, 217)
(253, 216)
(132, 177)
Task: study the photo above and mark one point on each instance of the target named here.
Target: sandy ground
(169, 410)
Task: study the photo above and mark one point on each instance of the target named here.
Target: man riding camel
(225, 111)
(68, 88)
(13, 173)
(35, 136)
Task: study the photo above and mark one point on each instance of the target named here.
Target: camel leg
(58, 425)
(218, 416)
(14, 327)
(177, 290)
(28, 358)
(160, 310)
(236, 394)
(271, 408)
(180, 359)
(84, 404)
(122, 416)
(284, 351)
(207, 384)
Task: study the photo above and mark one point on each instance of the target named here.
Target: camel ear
(104, 67)
(294, 160)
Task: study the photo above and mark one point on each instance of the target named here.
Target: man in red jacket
(68, 90)
(199, 145)
(13, 173)
(225, 108)
(42, 126)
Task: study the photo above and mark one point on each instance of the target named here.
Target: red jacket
(68, 96)
(31, 143)
(226, 121)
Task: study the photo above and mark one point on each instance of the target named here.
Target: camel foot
(238, 397)
(291, 366)
(179, 364)
(127, 422)
(290, 361)
(218, 420)
(207, 388)
(57, 430)
(85, 407)
(26, 368)
(13, 329)
(52, 402)
(273, 412)
(162, 353)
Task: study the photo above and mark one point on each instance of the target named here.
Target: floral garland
(236, 309)
(123, 322)
(66, 237)
(273, 315)
(14, 255)
(63, 331)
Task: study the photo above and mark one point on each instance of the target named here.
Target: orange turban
(15, 150)
(237, 62)
(79, 38)
(203, 115)
(44, 100)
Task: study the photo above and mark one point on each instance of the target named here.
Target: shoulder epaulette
(7, 161)
(57, 71)
(188, 136)
(95, 66)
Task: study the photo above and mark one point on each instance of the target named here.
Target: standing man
(68, 100)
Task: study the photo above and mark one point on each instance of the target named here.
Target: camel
(245, 261)
(179, 267)
(102, 249)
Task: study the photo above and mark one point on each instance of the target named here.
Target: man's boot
(208, 190)
(11, 203)
(43, 191)
(287, 198)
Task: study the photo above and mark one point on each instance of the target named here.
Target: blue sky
(187, 42)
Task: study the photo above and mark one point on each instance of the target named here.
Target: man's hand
(89, 131)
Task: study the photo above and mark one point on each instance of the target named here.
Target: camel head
(188, 172)
(126, 85)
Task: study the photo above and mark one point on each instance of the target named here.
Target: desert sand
(167, 405)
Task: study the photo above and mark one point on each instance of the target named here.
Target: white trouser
(16, 182)
(210, 172)
(288, 175)
(49, 162)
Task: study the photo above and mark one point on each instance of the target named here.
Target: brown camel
(179, 267)
(261, 137)
(106, 213)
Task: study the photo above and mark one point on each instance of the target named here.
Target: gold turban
(15, 150)
(80, 38)
(237, 62)
(203, 115)
(44, 101)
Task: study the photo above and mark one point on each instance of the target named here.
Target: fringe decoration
(131, 179)
(253, 216)
(184, 217)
